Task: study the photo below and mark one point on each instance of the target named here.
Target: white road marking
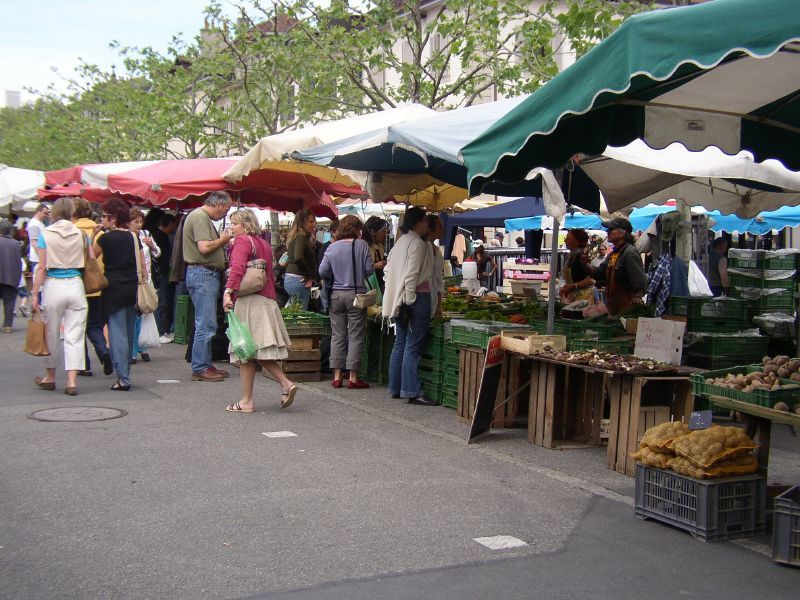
(279, 434)
(500, 542)
(168, 381)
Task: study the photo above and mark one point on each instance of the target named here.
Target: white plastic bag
(148, 334)
(698, 286)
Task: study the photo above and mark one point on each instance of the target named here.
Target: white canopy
(637, 175)
(273, 148)
(17, 186)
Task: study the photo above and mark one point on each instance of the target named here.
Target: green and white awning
(724, 73)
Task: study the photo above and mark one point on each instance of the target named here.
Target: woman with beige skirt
(259, 311)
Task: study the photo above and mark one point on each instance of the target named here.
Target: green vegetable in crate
(454, 304)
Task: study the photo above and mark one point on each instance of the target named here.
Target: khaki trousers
(65, 301)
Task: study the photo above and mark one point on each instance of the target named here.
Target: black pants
(95, 322)
(9, 295)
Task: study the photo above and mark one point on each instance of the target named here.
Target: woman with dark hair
(577, 271)
(486, 264)
(118, 247)
(62, 249)
(407, 302)
(347, 264)
(301, 270)
(258, 311)
(82, 217)
(375, 231)
(435, 233)
(150, 250)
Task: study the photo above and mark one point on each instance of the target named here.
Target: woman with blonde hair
(301, 270)
(62, 249)
(259, 311)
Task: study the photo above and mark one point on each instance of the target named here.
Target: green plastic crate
(759, 260)
(715, 363)
(184, 316)
(586, 329)
(723, 309)
(757, 397)
(739, 282)
(306, 324)
(731, 345)
(449, 396)
(613, 346)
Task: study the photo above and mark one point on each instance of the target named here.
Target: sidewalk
(180, 499)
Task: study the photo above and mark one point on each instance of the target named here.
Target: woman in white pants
(62, 249)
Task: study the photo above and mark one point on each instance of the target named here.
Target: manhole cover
(78, 414)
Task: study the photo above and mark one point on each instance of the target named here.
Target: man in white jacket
(407, 302)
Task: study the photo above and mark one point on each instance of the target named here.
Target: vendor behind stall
(578, 283)
(622, 271)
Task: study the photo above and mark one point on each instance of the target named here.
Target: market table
(566, 403)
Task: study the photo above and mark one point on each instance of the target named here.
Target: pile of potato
(769, 378)
(743, 464)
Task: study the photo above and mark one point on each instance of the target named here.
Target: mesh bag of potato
(706, 447)
(656, 445)
(744, 464)
(650, 458)
(661, 437)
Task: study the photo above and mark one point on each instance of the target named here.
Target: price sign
(700, 419)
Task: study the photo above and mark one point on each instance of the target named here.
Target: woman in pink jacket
(258, 311)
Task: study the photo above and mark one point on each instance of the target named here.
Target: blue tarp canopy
(493, 216)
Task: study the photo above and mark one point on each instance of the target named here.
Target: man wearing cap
(622, 271)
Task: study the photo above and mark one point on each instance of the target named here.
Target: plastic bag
(698, 286)
(372, 282)
(148, 333)
(242, 344)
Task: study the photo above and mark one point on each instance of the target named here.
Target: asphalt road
(370, 499)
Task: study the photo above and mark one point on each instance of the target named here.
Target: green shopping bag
(372, 283)
(241, 339)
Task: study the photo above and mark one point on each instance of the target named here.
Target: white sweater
(408, 266)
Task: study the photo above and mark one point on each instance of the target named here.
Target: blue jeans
(298, 292)
(203, 287)
(121, 332)
(136, 350)
(408, 346)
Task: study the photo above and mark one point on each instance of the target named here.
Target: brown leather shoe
(220, 372)
(207, 375)
(45, 385)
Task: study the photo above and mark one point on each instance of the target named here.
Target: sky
(37, 36)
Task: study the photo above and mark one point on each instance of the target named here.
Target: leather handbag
(255, 277)
(146, 295)
(36, 337)
(93, 278)
(361, 301)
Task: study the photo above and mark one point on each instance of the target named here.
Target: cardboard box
(660, 339)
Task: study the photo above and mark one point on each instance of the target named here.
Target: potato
(765, 360)
(795, 376)
(782, 406)
(770, 368)
(794, 364)
(781, 360)
(783, 372)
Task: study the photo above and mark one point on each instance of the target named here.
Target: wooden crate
(469, 380)
(565, 405)
(303, 364)
(631, 397)
(531, 343)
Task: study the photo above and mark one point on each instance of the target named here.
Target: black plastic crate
(710, 510)
(786, 527)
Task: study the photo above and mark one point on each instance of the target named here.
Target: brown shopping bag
(36, 340)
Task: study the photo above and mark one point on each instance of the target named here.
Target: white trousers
(65, 301)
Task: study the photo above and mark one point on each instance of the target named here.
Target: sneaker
(167, 338)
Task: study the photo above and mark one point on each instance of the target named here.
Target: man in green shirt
(205, 262)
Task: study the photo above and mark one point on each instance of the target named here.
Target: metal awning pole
(551, 285)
